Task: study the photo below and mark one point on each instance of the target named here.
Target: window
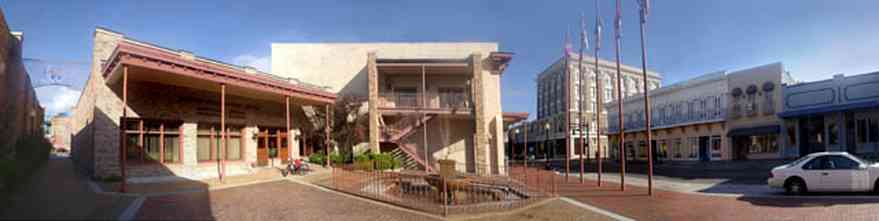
(815, 164)
(862, 131)
(792, 135)
(148, 140)
(874, 130)
(768, 104)
(209, 143)
(676, 148)
(840, 163)
(833, 134)
(763, 144)
(452, 97)
(406, 97)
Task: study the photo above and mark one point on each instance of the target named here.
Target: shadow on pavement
(812, 200)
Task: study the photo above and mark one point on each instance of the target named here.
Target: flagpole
(619, 100)
(567, 108)
(598, 102)
(580, 93)
(647, 113)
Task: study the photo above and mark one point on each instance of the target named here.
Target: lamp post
(546, 132)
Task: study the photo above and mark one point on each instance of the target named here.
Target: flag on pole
(584, 37)
(598, 27)
(618, 22)
(644, 5)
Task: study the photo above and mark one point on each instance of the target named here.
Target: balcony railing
(431, 100)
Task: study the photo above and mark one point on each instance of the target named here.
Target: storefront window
(145, 141)
(874, 130)
(833, 134)
(209, 142)
(763, 144)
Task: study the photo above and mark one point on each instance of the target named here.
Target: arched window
(768, 98)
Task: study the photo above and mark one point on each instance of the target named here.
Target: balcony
(431, 101)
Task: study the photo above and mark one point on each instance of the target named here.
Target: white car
(826, 172)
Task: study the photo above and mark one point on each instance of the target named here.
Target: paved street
(669, 205)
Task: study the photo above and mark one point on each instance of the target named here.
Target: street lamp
(546, 131)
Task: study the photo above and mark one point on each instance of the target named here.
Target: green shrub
(339, 158)
(317, 158)
(31, 152)
(363, 157)
(385, 161)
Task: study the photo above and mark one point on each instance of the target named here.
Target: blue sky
(813, 38)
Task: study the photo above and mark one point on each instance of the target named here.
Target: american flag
(584, 36)
(618, 21)
(645, 9)
(598, 27)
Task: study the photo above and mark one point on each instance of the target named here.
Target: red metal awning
(156, 58)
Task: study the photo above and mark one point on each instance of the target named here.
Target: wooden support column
(423, 116)
(223, 143)
(327, 132)
(123, 155)
(162, 143)
(213, 145)
(289, 142)
(180, 144)
(140, 140)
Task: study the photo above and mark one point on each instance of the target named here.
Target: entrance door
(813, 135)
(703, 149)
(283, 151)
(262, 149)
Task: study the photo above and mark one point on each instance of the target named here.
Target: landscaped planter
(447, 168)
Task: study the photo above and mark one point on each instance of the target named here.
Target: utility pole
(617, 27)
(644, 7)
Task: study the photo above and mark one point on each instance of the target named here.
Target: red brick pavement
(665, 205)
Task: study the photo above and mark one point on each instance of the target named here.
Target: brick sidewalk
(182, 185)
(665, 205)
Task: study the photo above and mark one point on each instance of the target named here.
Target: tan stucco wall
(342, 66)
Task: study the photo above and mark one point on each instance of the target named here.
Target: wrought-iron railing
(430, 100)
(458, 194)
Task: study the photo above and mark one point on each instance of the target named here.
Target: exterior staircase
(406, 152)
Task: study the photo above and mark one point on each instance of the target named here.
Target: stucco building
(717, 116)
(552, 99)
(837, 114)
(59, 132)
(426, 101)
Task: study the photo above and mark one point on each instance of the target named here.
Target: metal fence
(458, 194)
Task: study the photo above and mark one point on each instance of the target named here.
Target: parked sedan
(826, 172)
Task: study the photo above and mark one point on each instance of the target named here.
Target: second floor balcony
(449, 100)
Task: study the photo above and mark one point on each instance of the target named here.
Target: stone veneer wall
(20, 111)
(95, 120)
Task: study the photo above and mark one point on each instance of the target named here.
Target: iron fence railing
(458, 194)
(431, 100)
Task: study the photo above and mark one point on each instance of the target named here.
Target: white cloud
(57, 99)
(262, 63)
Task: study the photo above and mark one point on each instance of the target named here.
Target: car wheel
(795, 187)
(876, 187)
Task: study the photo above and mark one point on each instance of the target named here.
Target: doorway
(812, 140)
(704, 149)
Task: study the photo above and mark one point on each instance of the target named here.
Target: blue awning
(835, 108)
(772, 129)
